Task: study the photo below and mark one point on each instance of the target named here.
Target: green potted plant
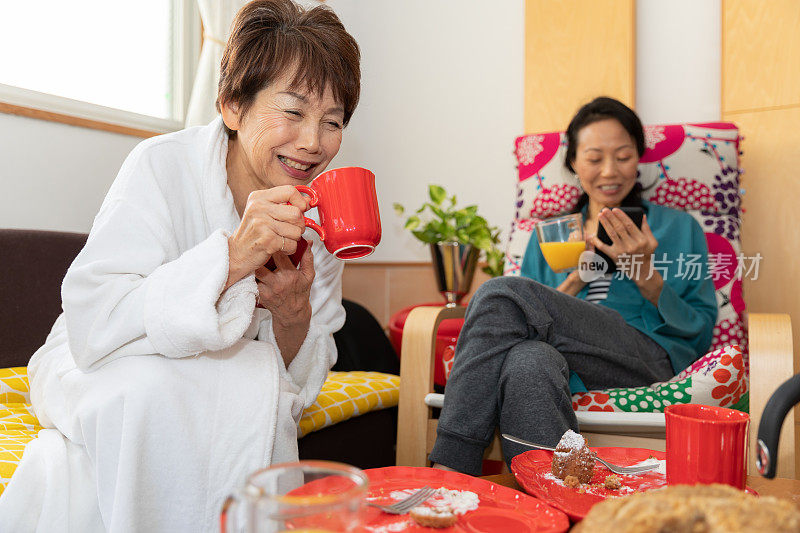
(457, 237)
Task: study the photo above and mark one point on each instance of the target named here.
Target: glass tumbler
(561, 241)
(306, 496)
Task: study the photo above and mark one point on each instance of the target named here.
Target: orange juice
(562, 255)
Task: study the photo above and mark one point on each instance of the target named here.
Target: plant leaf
(494, 262)
(437, 194)
(422, 235)
(483, 243)
(412, 223)
(399, 209)
(438, 212)
(442, 229)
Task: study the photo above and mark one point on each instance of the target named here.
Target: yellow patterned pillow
(348, 394)
(14, 385)
(18, 425)
(344, 395)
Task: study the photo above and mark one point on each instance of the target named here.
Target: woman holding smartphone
(528, 342)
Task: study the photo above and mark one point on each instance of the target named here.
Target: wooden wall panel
(386, 288)
(367, 285)
(770, 221)
(761, 93)
(760, 60)
(576, 50)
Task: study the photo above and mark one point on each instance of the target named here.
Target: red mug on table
(350, 224)
(706, 444)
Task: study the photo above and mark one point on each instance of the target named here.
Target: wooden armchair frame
(771, 363)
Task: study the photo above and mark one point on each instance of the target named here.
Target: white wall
(678, 60)
(442, 102)
(54, 176)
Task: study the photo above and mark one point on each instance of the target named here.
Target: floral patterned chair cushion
(717, 378)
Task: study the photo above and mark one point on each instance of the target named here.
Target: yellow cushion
(18, 425)
(348, 394)
(344, 395)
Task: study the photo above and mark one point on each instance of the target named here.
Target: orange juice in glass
(561, 241)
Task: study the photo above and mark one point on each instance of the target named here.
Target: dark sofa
(33, 264)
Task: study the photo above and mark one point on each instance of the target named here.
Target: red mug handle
(314, 200)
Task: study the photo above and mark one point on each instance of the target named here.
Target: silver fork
(617, 469)
(406, 504)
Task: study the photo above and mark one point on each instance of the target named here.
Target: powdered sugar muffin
(573, 458)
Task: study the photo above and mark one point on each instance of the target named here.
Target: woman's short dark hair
(272, 37)
(603, 108)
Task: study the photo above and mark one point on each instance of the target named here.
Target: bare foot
(442, 467)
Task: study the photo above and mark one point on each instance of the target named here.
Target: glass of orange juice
(301, 497)
(561, 241)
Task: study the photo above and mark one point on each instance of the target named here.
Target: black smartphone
(636, 214)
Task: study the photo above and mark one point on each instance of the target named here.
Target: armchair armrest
(416, 380)
(771, 363)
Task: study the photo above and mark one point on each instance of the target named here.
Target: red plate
(532, 470)
(500, 509)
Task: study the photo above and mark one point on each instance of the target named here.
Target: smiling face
(605, 161)
(287, 137)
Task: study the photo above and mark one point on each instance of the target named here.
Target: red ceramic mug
(350, 224)
(706, 444)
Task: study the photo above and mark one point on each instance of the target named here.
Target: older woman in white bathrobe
(162, 384)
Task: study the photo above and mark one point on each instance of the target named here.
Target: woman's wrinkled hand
(272, 224)
(635, 245)
(574, 283)
(286, 291)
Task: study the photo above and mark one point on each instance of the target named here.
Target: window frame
(186, 50)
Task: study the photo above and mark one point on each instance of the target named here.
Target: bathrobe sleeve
(150, 278)
(131, 292)
(317, 354)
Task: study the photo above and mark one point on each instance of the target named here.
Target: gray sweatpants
(519, 343)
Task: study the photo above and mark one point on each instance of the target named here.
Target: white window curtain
(217, 16)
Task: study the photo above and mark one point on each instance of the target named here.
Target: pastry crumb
(433, 517)
(613, 482)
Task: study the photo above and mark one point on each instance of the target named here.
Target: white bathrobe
(161, 392)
